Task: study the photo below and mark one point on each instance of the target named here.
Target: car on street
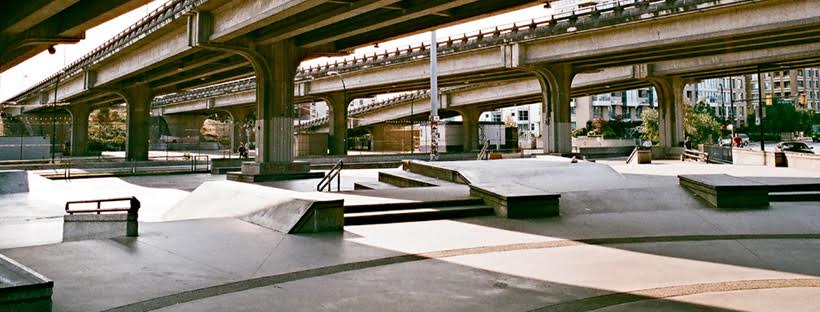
(796, 147)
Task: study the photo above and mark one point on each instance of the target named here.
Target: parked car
(796, 147)
(727, 141)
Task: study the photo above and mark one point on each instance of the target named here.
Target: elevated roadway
(192, 43)
(651, 36)
(30, 27)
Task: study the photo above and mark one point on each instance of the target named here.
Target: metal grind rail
(326, 182)
(133, 206)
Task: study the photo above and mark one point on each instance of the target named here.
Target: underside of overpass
(32, 26)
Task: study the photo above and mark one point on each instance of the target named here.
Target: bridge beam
(79, 128)
(556, 94)
(138, 102)
(337, 104)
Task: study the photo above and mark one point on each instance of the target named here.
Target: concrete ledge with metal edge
(508, 201)
(725, 191)
(261, 172)
(518, 201)
(100, 222)
(23, 289)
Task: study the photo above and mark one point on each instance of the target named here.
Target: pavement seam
(263, 281)
(598, 302)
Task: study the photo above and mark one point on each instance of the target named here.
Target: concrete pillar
(274, 118)
(469, 121)
(138, 102)
(670, 109)
(79, 128)
(185, 125)
(556, 91)
(337, 104)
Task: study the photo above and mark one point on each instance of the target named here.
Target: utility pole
(433, 96)
(760, 107)
(732, 100)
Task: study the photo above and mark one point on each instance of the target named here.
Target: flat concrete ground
(649, 247)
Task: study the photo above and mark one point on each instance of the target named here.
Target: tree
(649, 126)
(700, 123)
(107, 129)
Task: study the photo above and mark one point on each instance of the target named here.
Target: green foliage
(107, 129)
(780, 117)
(700, 123)
(649, 128)
(612, 129)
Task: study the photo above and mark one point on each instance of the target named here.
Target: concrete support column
(79, 128)
(670, 109)
(469, 121)
(185, 125)
(138, 101)
(556, 93)
(337, 104)
(274, 117)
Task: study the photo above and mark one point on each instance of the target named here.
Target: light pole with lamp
(344, 106)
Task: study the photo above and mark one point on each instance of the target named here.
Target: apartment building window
(800, 83)
(523, 115)
(786, 84)
(638, 112)
(597, 111)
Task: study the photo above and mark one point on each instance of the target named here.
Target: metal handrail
(632, 155)
(134, 205)
(484, 149)
(333, 173)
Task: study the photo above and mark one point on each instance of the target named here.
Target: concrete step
(402, 178)
(418, 214)
(794, 196)
(372, 185)
(413, 205)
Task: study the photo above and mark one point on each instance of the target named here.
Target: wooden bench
(725, 191)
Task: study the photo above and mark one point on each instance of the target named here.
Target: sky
(34, 70)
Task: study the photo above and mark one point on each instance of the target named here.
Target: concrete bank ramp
(13, 181)
(277, 209)
(546, 173)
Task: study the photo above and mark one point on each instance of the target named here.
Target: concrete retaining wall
(34, 147)
(759, 158)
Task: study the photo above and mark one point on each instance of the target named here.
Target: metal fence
(717, 154)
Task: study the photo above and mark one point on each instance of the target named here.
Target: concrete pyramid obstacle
(277, 209)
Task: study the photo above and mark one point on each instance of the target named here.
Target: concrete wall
(601, 142)
(310, 144)
(35, 147)
(759, 158)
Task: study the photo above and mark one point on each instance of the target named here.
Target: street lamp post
(344, 105)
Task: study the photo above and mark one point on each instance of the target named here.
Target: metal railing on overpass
(161, 16)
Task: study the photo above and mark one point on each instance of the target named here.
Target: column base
(260, 172)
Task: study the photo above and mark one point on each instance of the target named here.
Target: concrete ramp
(13, 181)
(546, 173)
(277, 209)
